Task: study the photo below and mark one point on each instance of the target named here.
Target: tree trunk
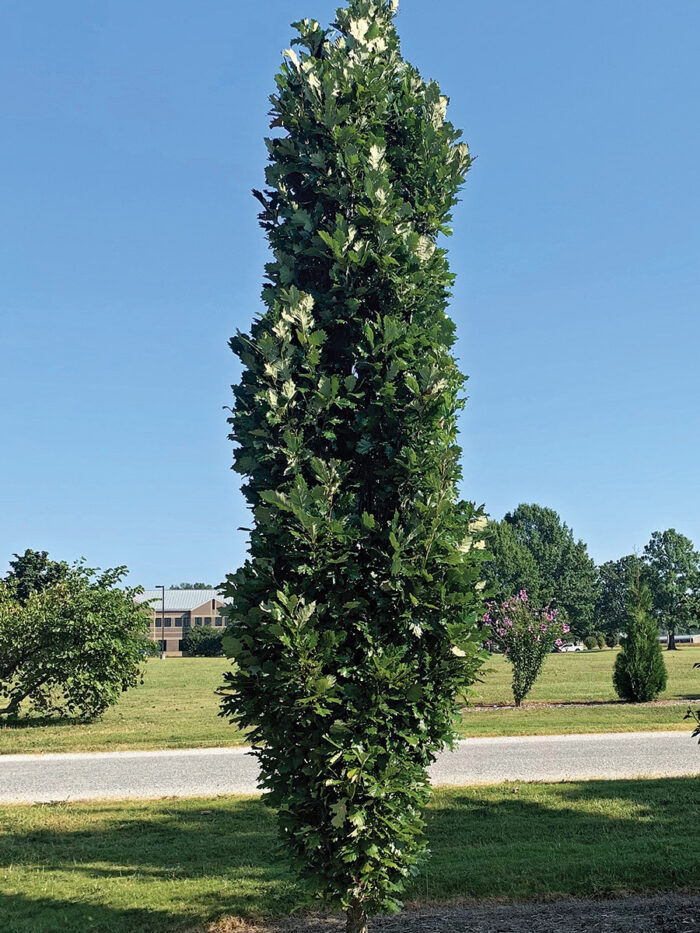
(671, 641)
(12, 707)
(357, 919)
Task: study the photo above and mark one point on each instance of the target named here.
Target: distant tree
(640, 673)
(191, 586)
(72, 647)
(203, 642)
(511, 566)
(610, 611)
(673, 574)
(32, 572)
(534, 550)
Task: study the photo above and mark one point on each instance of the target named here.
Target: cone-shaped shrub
(640, 672)
(353, 623)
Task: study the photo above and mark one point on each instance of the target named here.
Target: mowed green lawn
(177, 707)
(171, 865)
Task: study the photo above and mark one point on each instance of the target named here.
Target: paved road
(195, 772)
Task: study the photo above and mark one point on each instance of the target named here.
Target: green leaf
(415, 693)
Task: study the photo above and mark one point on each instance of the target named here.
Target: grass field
(168, 865)
(177, 708)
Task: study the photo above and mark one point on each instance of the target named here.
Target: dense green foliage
(72, 647)
(532, 549)
(610, 610)
(32, 572)
(353, 623)
(673, 574)
(203, 642)
(525, 634)
(640, 673)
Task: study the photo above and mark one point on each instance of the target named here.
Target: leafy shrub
(354, 621)
(612, 639)
(525, 635)
(74, 646)
(590, 642)
(203, 642)
(600, 639)
(640, 673)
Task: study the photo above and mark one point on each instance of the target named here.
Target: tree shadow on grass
(139, 867)
(29, 721)
(586, 838)
(25, 914)
(171, 865)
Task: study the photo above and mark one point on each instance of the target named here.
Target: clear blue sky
(132, 135)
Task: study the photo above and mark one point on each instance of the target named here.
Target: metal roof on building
(180, 600)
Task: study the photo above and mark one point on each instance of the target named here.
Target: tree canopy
(74, 646)
(532, 549)
(32, 572)
(611, 609)
(673, 575)
(353, 623)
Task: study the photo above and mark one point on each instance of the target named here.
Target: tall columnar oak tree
(353, 623)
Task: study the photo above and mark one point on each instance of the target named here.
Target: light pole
(162, 621)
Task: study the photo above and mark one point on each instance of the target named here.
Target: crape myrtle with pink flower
(525, 635)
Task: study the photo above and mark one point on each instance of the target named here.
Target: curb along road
(211, 771)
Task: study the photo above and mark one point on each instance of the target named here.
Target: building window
(185, 622)
(218, 621)
(213, 604)
(167, 622)
(197, 620)
(207, 620)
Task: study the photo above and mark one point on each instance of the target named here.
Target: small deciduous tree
(72, 647)
(639, 674)
(354, 622)
(525, 635)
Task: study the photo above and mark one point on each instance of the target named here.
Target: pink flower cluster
(504, 632)
(525, 634)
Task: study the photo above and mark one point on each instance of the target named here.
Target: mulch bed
(542, 704)
(670, 913)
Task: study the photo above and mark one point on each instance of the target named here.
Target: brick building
(183, 609)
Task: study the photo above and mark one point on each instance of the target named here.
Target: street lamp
(162, 621)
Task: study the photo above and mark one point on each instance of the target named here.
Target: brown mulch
(670, 913)
(541, 704)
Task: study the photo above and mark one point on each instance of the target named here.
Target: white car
(570, 646)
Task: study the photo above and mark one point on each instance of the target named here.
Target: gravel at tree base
(668, 913)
